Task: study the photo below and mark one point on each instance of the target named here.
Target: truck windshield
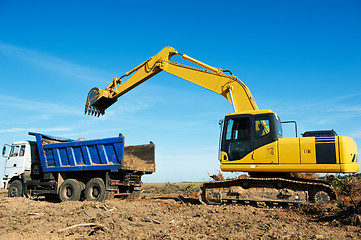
(14, 151)
(17, 151)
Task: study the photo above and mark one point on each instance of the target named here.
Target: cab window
(238, 138)
(229, 129)
(22, 150)
(17, 151)
(262, 126)
(279, 126)
(14, 151)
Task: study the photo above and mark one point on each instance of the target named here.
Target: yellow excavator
(251, 139)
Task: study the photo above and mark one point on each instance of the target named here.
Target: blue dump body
(62, 155)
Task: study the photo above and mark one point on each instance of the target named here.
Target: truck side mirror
(4, 150)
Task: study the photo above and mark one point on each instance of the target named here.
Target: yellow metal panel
(349, 168)
(224, 157)
(266, 154)
(326, 168)
(288, 151)
(252, 112)
(348, 155)
(248, 159)
(308, 150)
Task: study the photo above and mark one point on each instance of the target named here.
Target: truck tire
(95, 190)
(15, 189)
(69, 190)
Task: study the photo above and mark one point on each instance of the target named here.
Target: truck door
(15, 161)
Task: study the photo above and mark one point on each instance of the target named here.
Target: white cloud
(36, 106)
(354, 110)
(57, 129)
(53, 64)
(132, 106)
(40, 117)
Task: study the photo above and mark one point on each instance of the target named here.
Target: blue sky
(299, 58)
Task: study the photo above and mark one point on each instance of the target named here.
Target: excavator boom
(214, 79)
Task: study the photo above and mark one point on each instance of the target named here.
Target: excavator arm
(214, 79)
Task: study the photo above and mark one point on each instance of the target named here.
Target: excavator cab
(245, 132)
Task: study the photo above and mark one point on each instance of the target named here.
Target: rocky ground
(162, 213)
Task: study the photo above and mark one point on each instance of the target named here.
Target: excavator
(251, 139)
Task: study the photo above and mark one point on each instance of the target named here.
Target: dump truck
(71, 170)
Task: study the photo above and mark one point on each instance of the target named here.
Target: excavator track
(267, 191)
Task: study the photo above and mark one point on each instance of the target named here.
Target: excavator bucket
(97, 102)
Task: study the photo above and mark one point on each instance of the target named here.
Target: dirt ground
(162, 213)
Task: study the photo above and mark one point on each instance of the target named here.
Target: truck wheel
(69, 190)
(15, 189)
(95, 190)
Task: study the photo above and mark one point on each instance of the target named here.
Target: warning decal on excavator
(325, 139)
(354, 158)
(325, 150)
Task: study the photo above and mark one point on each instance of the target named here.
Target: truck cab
(19, 157)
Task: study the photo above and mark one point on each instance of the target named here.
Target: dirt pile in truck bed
(162, 214)
(139, 157)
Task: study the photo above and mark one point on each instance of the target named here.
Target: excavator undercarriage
(267, 191)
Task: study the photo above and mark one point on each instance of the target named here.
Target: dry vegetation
(166, 211)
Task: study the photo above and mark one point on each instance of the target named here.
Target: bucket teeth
(98, 101)
(93, 111)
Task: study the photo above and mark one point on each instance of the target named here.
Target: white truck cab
(18, 160)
